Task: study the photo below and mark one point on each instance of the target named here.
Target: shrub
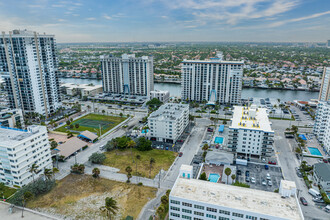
(140, 184)
(38, 187)
(203, 176)
(241, 184)
(97, 158)
(85, 147)
(78, 168)
(144, 144)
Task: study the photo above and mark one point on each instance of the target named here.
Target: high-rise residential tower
(127, 74)
(325, 85)
(28, 63)
(212, 80)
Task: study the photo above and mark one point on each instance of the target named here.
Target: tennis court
(93, 123)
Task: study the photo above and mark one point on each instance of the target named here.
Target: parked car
(247, 173)
(210, 129)
(180, 154)
(325, 160)
(247, 179)
(303, 201)
(239, 172)
(268, 176)
(264, 183)
(266, 167)
(270, 183)
(272, 162)
(314, 193)
(253, 180)
(318, 200)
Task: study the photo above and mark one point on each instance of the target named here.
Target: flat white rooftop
(251, 118)
(214, 61)
(12, 136)
(233, 197)
(168, 111)
(80, 86)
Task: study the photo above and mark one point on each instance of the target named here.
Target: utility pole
(100, 129)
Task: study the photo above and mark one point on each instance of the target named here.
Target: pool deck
(223, 140)
(211, 168)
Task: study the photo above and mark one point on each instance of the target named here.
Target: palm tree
(110, 207)
(88, 107)
(233, 177)
(205, 147)
(138, 157)
(227, 172)
(25, 198)
(130, 145)
(33, 169)
(103, 111)
(96, 172)
(48, 173)
(129, 173)
(55, 170)
(151, 162)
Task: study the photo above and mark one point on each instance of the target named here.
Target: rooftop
(12, 136)
(171, 111)
(251, 118)
(323, 170)
(215, 61)
(81, 86)
(250, 200)
(71, 146)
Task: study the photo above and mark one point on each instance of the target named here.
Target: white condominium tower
(322, 125)
(127, 74)
(250, 132)
(19, 149)
(212, 80)
(28, 63)
(325, 85)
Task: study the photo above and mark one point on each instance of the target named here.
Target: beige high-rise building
(325, 85)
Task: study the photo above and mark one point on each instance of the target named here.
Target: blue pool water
(218, 140)
(314, 151)
(213, 177)
(145, 131)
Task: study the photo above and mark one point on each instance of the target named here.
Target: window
(199, 207)
(175, 208)
(251, 217)
(223, 218)
(175, 202)
(224, 212)
(187, 211)
(199, 213)
(175, 214)
(185, 217)
(211, 209)
(211, 216)
(186, 204)
(238, 215)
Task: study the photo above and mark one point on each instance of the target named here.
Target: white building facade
(168, 122)
(194, 199)
(322, 124)
(127, 74)
(28, 62)
(19, 149)
(250, 132)
(162, 96)
(212, 80)
(12, 118)
(325, 85)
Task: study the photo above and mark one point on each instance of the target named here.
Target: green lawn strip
(102, 118)
(6, 191)
(121, 159)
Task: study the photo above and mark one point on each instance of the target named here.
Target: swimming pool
(145, 131)
(218, 140)
(214, 177)
(314, 151)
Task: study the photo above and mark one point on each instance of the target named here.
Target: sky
(171, 20)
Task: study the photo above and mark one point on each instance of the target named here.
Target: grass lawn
(81, 196)
(91, 122)
(6, 191)
(122, 159)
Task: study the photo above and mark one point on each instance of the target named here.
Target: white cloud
(107, 17)
(280, 23)
(58, 6)
(165, 17)
(61, 20)
(91, 19)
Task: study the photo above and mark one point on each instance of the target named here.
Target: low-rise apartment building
(168, 122)
(73, 89)
(19, 149)
(250, 132)
(321, 175)
(12, 118)
(195, 199)
(162, 96)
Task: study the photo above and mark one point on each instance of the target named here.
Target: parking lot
(259, 172)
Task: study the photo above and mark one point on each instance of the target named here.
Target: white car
(253, 180)
(264, 183)
(268, 176)
(270, 183)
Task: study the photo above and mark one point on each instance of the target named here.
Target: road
(287, 160)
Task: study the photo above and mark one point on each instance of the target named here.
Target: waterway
(175, 90)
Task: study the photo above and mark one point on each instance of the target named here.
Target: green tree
(233, 177)
(205, 147)
(53, 145)
(48, 173)
(203, 176)
(76, 126)
(131, 144)
(164, 200)
(33, 169)
(144, 144)
(129, 173)
(96, 172)
(97, 158)
(227, 172)
(151, 163)
(54, 171)
(110, 207)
